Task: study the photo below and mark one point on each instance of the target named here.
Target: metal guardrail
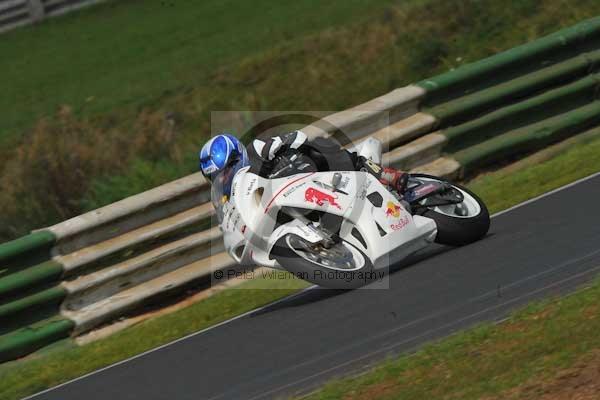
(71, 277)
(15, 13)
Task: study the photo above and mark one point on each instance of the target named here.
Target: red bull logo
(313, 195)
(392, 210)
(401, 223)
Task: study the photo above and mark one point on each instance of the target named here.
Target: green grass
(130, 53)
(500, 189)
(530, 177)
(490, 360)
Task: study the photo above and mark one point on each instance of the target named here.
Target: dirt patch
(580, 382)
(591, 312)
(377, 391)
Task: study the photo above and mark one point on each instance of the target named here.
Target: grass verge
(490, 361)
(543, 171)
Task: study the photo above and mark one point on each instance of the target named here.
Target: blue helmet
(220, 152)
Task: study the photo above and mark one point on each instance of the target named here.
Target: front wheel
(458, 224)
(339, 266)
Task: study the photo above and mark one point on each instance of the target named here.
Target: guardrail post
(36, 10)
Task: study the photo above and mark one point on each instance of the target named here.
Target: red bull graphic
(316, 196)
(392, 210)
(401, 223)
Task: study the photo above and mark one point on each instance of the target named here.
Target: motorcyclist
(224, 149)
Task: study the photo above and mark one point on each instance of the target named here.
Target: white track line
(440, 312)
(390, 347)
(280, 300)
(173, 342)
(577, 182)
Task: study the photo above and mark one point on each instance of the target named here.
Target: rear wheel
(458, 224)
(339, 266)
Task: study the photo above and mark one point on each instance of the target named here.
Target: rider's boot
(396, 179)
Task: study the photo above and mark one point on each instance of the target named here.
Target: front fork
(328, 238)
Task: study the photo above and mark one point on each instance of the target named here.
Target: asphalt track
(546, 247)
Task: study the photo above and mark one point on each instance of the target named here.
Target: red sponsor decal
(392, 210)
(401, 224)
(313, 195)
(283, 188)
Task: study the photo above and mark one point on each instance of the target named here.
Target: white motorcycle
(317, 217)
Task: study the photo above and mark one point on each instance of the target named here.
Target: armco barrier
(107, 262)
(15, 13)
(548, 104)
(468, 107)
(513, 63)
(25, 244)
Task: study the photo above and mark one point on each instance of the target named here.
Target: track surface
(546, 247)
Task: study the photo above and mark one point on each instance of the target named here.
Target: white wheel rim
(469, 202)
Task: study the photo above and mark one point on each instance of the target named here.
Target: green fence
(30, 296)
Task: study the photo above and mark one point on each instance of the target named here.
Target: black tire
(457, 231)
(320, 275)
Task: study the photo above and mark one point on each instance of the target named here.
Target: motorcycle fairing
(389, 231)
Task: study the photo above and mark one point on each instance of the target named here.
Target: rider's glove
(269, 150)
(294, 139)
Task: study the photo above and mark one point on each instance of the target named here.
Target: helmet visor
(222, 181)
